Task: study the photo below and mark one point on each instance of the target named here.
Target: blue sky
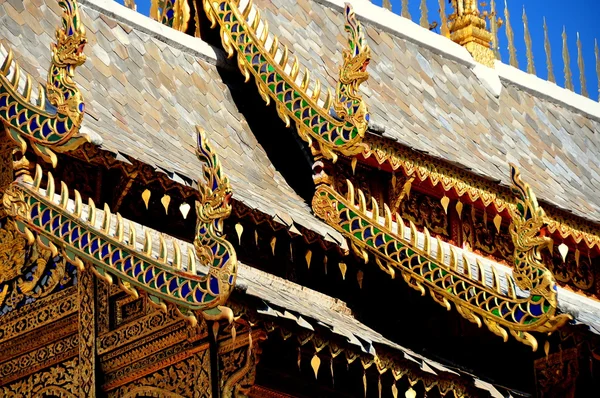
(577, 16)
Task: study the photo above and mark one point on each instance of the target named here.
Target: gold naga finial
(567, 62)
(528, 46)
(405, 13)
(597, 53)
(548, 50)
(172, 13)
(111, 250)
(50, 124)
(581, 65)
(444, 28)
(510, 36)
(424, 21)
(468, 28)
(495, 23)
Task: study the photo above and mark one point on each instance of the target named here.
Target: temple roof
(309, 309)
(144, 98)
(426, 92)
(429, 95)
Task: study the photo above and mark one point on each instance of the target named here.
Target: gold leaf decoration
(445, 202)
(308, 257)
(273, 243)
(215, 329)
(498, 222)
(184, 209)
(563, 250)
(359, 278)
(394, 390)
(146, 197)
(315, 362)
(239, 229)
(547, 348)
(410, 393)
(459, 209)
(166, 200)
(343, 269)
(256, 237)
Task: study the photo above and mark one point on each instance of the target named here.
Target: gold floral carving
(128, 333)
(55, 381)
(130, 309)
(425, 211)
(35, 360)
(144, 347)
(39, 338)
(556, 374)
(87, 335)
(479, 233)
(188, 378)
(38, 314)
(239, 358)
(102, 309)
(6, 163)
(12, 255)
(571, 270)
(26, 271)
(463, 183)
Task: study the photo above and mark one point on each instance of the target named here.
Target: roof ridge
(408, 29)
(377, 16)
(192, 45)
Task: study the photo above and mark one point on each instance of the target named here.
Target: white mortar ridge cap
(405, 28)
(413, 32)
(548, 89)
(174, 38)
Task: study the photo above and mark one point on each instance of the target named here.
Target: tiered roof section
(428, 94)
(434, 112)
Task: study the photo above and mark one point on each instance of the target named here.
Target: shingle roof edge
(189, 44)
(407, 29)
(378, 16)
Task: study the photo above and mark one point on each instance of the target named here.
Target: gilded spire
(567, 62)
(548, 54)
(512, 51)
(405, 12)
(529, 51)
(467, 28)
(494, 28)
(581, 65)
(597, 52)
(444, 28)
(386, 4)
(424, 17)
